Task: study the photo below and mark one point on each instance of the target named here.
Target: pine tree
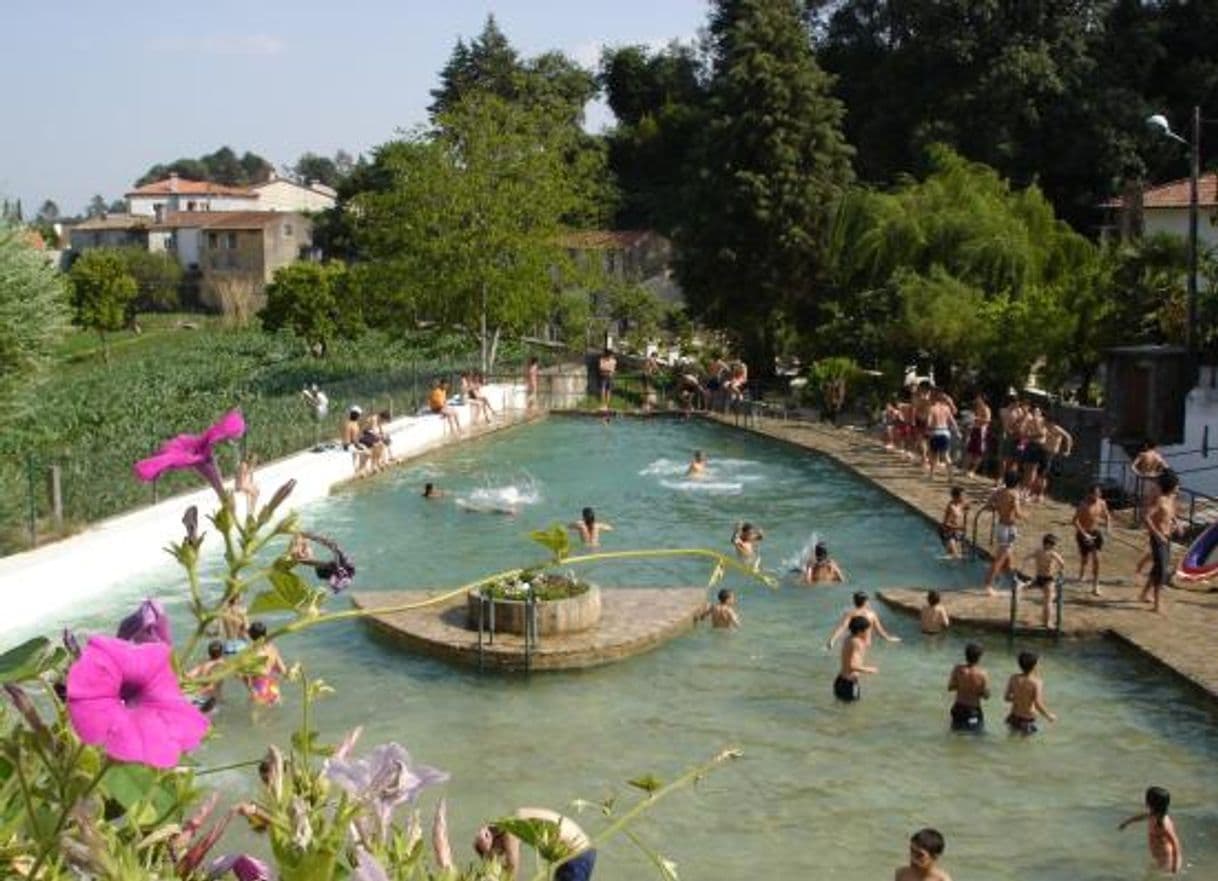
(488, 64)
(772, 163)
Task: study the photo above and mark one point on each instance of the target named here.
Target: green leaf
(649, 783)
(288, 593)
(555, 539)
(128, 785)
(30, 660)
(542, 835)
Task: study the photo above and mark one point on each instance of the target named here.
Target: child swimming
(1161, 838)
(822, 568)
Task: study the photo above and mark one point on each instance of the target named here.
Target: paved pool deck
(1183, 637)
(633, 621)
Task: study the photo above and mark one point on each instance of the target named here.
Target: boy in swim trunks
(925, 848)
(972, 685)
(1160, 527)
(940, 424)
(207, 695)
(861, 608)
(979, 436)
(498, 845)
(854, 654)
(1161, 836)
(1025, 694)
(952, 531)
(1091, 511)
(723, 614)
(1005, 505)
(933, 616)
(1049, 565)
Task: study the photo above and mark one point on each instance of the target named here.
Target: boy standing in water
(697, 467)
(861, 609)
(1161, 836)
(925, 848)
(854, 654)
(723, 614)
(953, 529)
(1025, 694)
(933, 616)
(745, 538)
(972, 685)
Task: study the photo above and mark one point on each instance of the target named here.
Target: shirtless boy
(822, 568)
(1058, 442)
(697, 467)
(1160, 527)
(972, 685)
(723, 614)
(589, 528)
(925, 848)
(1091, 512)
(745, 539)
(979, 436)
(1161, 838)
(854, 655)
(1025, 694)
(954, 528)
(1049, 565)
(1005, 504)
(921, 419)
(1035, 456)
(498, 845)
(933, 616)
(1011, 417)
(861, 609)
(940, 424)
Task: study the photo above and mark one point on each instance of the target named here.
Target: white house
(174, 194)
(1164, 209)
(281, 194)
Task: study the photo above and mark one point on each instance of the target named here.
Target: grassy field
(96, 417)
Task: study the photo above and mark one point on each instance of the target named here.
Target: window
(231, 241)
(287, 230)
(213, 240)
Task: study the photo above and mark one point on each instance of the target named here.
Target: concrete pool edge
(1176, 643)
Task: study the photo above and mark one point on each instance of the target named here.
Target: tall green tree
(49, 212)
(96, 207)
(770, 165)
(660, 102)
(34, 314)
(467, 231)
(158, 277)
(103, 293)
(487, 65)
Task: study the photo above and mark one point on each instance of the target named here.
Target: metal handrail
(973, 546)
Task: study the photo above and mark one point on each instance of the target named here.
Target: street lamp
(1160, 123)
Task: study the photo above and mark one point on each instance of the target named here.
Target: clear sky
(96, 92)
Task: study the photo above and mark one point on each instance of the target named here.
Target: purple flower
(125, 698)
(148, 623)
(367, 868)
(193, 451)
(244, 866)
(384, 779)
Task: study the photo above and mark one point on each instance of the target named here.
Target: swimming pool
(823, 791)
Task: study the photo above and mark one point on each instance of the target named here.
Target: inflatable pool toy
(1197, 565)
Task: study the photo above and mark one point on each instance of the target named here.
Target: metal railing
(486, 629)
(1059, 606)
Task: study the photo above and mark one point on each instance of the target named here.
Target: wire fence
(56, 490)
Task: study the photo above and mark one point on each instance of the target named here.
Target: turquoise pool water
(824, 791)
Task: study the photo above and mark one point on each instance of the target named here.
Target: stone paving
(633, 621)
(1181, 637)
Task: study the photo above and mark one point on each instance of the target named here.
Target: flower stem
(691, 776)
(65, 811)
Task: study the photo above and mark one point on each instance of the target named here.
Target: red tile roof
(114, 221)
(605, 239)
(181, 186)
(223, 219)
(1175, 194)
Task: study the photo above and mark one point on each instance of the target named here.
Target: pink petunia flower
(125, 698)
(195, 451)
(148, 623)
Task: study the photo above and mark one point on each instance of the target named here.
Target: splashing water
(801, 561)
